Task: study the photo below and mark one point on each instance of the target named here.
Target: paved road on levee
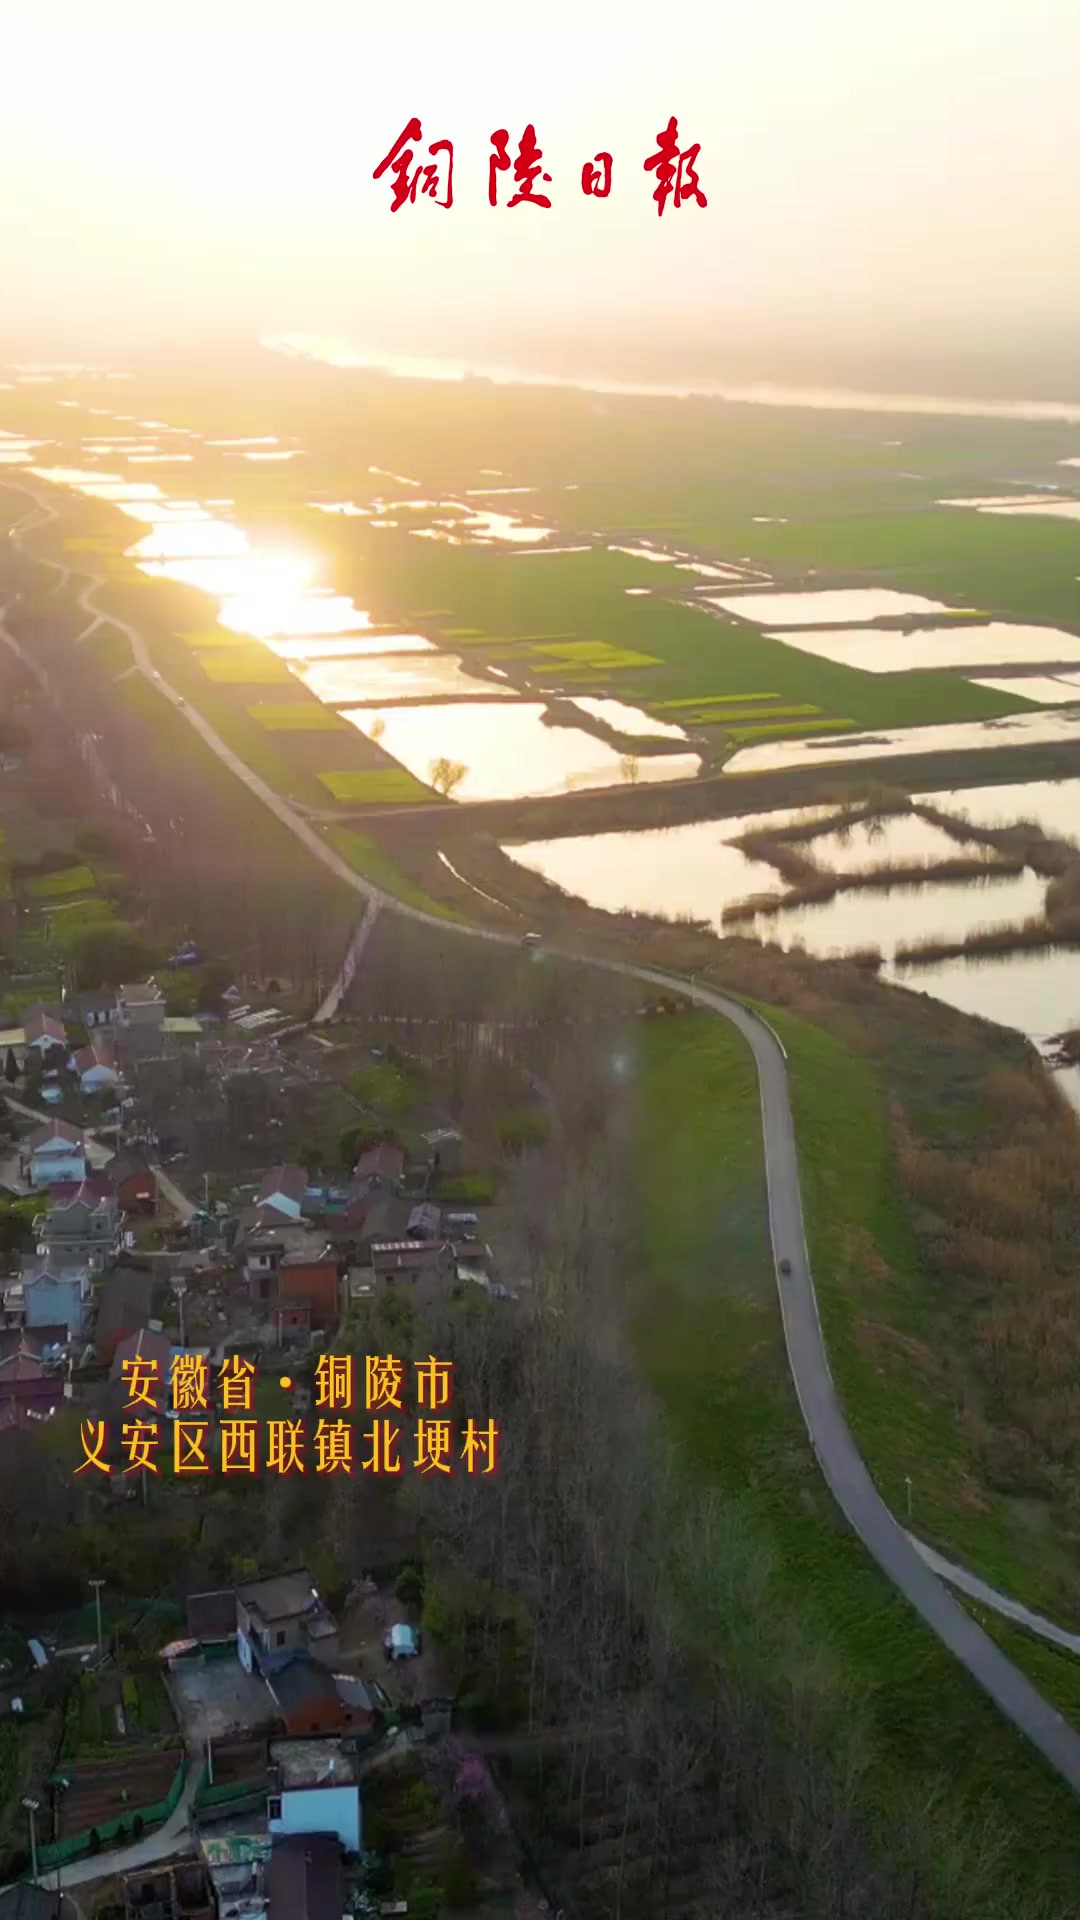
(830, 1436)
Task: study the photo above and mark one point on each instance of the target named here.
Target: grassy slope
(709, 1333)
(887, 1335)
(368, 859)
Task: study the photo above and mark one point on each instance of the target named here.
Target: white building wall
(322, 1810)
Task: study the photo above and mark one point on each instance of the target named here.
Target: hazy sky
(874, 171)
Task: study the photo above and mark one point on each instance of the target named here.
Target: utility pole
(60, 1785)
(97, 1586)
(31, 1808)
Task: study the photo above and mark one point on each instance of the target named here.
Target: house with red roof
(42, 1031)
(27, 1388)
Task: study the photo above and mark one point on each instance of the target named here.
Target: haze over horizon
(891, 197)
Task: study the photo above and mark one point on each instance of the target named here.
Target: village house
(379, 1170)
(96, 1009)
(140, 1005)
(312, 1700)
(180, 1892)
(54, 1154)
(280, 1616)
(27, 1388)
(128, 1299)
(411, 1260)
(294, 1269)
(96, 1065)
(211, 1617)
(135, 1181)
(13, 1307)
(79, 1223)
(315, 1789)
(43, 1032)
(304, 1879)
(384, 1217)
(44, 1343)
(13, 1041)
(281, 1195)
(57, 1296)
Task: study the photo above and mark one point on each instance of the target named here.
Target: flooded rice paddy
(1043, 690)
(813, 608)
(389, 677)
(507, 751)
(625, 719)
(695, 871)
(880, 650)
(1016, 730)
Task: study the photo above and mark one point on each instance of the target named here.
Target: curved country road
(833, 1443)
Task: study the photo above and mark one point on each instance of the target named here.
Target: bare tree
(446, 775)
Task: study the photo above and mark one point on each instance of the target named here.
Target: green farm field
(805, 497)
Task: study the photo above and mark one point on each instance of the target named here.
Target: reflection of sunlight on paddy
(259, 593)
(1054, 804)
(189, 537)
(1020, 729)
(349, 645)
(1041, 506)
(1057, 690)
(507, 751)
(688, 870)
(877, 650)
(401, 478)
(885, 919)
(875, 843)
(270, 613)
(253, 577)
(626, 719)
(406, 676)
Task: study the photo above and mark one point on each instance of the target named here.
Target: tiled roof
(304, 1877)
(385, 1160)
(41, 1026)
(143, 1345)
(288, 1180)
(56, 1130)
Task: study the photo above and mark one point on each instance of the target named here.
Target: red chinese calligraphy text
(429, 177)
(676, 172)
(526, 169)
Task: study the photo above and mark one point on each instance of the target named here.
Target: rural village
(242, 1751)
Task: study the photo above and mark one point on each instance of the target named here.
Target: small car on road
(785, 1268)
